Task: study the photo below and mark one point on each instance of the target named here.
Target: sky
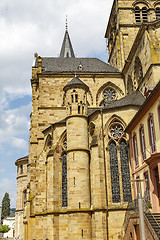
(26, 27)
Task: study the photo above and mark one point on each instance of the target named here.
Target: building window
(64, 180)
(144, 14)
(114, 172)
(135, 149)
(146, 193)
(152, 134)
(64, 175)
(125, 171)
(142, 141)
(158, 13)
(21, 169)
(119, 164)
(109, 95)
(137, 15)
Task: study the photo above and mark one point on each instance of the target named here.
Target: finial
(66, 22)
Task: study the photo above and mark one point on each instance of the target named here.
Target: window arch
(144, 14)
(151, 130)
(74, 96)
(142, 142)
(64, 175)
(137, 15)
(119, 162)
(157, 13)
(138, 71)
(109, 94)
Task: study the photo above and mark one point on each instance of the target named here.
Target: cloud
(15, 125)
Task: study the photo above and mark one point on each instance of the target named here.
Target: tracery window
(158, 13)
(116, 133)
(109, 94)
(125, 171)
(135, 149)
(138, 71)
(64, 175)
(114, 172)
(142, 142)
(151, 134)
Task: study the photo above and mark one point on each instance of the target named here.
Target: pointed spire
(67, 49)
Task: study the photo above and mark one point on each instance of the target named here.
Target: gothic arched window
(64, 175)
(137, 15)
(114, 172)
(138, 71)
(125, 171)
(109, 94)
(119, 163)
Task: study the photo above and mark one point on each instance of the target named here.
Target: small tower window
(72, 98)
(21, 169)
(82, 109)
(144, 14)
(137, 15)
(79, 109)
(158, 13)
(76, 97)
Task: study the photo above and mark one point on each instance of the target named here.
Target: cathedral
(75, 181)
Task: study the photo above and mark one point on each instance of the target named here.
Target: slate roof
(71, 64)
(75, 82)
(67, 49)
(133, 99)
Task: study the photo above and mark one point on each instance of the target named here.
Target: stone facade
(21, 195)
(78, 172)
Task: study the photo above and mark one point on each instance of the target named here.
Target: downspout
(105, 176)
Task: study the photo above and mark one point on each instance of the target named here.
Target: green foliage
(5, 206)
(4, 228)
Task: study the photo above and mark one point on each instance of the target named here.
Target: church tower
(124, 23)
(78, 181)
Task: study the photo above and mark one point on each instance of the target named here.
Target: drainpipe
(105, 176)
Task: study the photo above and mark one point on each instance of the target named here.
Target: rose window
(116, 131)
(109, 94)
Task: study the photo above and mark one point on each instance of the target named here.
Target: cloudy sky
(26, 27)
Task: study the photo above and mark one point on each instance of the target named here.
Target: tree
(5, 206)
(4, 228)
